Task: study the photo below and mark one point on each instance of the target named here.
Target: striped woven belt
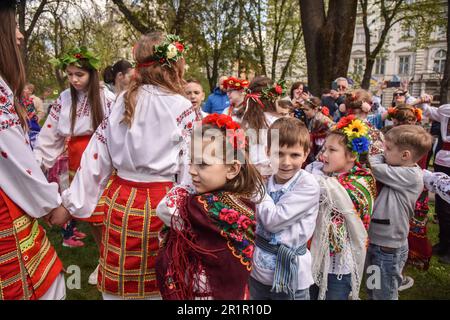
(286, 269)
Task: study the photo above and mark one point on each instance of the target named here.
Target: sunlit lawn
(433, 284)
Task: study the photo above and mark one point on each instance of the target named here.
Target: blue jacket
(216, 102)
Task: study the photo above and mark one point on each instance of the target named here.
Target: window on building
(380, 65)
(439, 61)
(409, 32)
(358, 65)
(441, 32)
(404, 66)
(359, 36)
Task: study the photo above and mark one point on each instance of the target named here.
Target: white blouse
(51, 139)
(291, 221)
(442, 115)
(20, 176)
(154, 149)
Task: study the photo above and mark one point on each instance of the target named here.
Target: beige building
(400, 57)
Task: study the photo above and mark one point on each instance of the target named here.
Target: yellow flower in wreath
(356, 129)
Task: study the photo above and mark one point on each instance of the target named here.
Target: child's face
(309, 112)
(287, 162)
(335, 157)
(125, 78)
(284, 112)
(394, 156)
(78, 78)
(209, 172)
(236, 97)
(195, 94)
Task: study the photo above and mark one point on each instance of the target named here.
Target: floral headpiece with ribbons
(170, 50)
(232, 83)
(357, 133)
(272, 92)
(234, 134)
(75, 56)
(392, 113)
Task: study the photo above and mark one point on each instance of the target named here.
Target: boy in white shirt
(286, 218)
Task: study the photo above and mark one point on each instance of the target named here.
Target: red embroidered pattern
(98, 134)
(84, 110)
(183, 115)
(55, 110)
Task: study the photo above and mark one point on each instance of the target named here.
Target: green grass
(433, 284)
(85, 257)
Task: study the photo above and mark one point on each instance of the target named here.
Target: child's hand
(366, 107)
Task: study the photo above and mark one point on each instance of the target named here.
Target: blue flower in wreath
(360, 145)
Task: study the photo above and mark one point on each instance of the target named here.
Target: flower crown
(75, 56)
(169, 51)
(232, 83)
(272, 92)
(392, 113)
(357, 133)
(234, 134)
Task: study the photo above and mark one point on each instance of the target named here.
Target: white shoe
(407, 283)
(93, 277)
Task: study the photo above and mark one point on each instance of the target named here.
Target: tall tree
(421, 14)
(328, 36)
(276, 33)
(27, 27)
(142, 16)
(445, 83)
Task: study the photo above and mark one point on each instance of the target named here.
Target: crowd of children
(254, 195)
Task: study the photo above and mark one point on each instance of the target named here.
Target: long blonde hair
(168, 78)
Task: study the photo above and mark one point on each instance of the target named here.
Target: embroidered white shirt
(290, 222)
(51, 139)
(153, 149)
(20, 176)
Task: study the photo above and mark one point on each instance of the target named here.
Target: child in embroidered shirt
(286, 218)
(208, 249)
(402, 181)
(348, 189)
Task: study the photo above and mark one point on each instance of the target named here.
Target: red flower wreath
(345, 121)
(234, 133)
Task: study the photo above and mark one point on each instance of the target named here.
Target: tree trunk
(446, 78)
(365, 84)
(328, 40)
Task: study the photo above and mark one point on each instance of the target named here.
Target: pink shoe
(72, 243)
(78, 234)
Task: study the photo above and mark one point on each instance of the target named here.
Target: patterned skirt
(130, 239)
(76, 147)
(420, 249)
(28, 262)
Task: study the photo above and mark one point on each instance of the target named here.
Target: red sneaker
(72, 243)
(78, 234)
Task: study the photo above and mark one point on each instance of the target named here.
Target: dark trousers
(443, 214)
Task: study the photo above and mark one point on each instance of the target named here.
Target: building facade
(400, 57)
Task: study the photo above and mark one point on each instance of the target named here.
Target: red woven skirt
(130, 238)
(76, 147)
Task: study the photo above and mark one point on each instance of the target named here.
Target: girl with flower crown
(256, 116)
(207, 251)
(318, 123)
(348, 191)
(358, 103)
(235, 89)
(145, 139)
(72, 120)
(29, 266)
